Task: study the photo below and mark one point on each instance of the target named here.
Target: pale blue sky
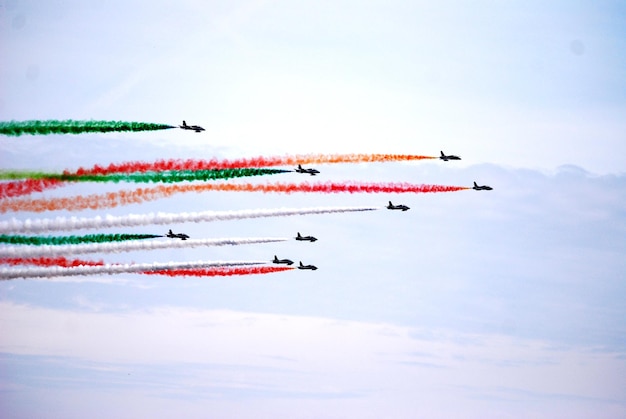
(506, 303)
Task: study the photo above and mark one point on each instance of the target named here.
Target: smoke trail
(133, 220)
(26, 187)
(59, 261)
(144, 177)
(116, 247)
(39, 181)
(114, 199)
(221, 271)
(111, 269)
(59, 240)
(16, 128)
(328, 187)
(215, 164)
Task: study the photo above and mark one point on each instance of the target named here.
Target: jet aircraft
(196, 128)
(305, 238)
(286, 261)
(482, 188)
(176, 235)
(397, 207)
(450, 157)
(312, 172)
(311, 267)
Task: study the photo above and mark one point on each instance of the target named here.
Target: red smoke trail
(114, 199)
(110, 269)
(220, 271)
(60, 261)
(331, 187)
(26, 187)
(18, 188)
(214, 164)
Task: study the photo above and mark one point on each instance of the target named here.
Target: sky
(505, 303)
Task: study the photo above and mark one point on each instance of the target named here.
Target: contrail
(44, 261)
(59, 240)
(132, 220)
(171, 176)
(140, 195)
(215, 164)
(45, 127)
(26, 187)
(111, 269)
(221, 271)
(117, 247)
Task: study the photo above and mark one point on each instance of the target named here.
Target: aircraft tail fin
(475, 184)
(184, 123)
(442, 155)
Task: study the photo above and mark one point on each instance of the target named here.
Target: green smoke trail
(69, 126)
(18, 174)
(59, 240)
(173, 176)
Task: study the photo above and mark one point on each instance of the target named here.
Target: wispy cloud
(245, 354)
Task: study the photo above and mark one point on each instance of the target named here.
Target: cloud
(176, 352)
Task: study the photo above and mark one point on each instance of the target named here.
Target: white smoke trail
(111, 269)
(22, 251)
(69, 223)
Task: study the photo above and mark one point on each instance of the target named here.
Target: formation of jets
(181, 236)
(305, 238)
(290, 262)
(299, 237)
(397, 207)
(453, 157)
(391, 206)
(311, 172)
(196, 128)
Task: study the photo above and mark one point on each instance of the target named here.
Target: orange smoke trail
(220, 271)
(214, 164)
(114, 199)
(43, 261)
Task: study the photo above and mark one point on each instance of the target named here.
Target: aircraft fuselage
(284, 261)
(450, 157)
(196, 128)
(397, 207)
(311, 172)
